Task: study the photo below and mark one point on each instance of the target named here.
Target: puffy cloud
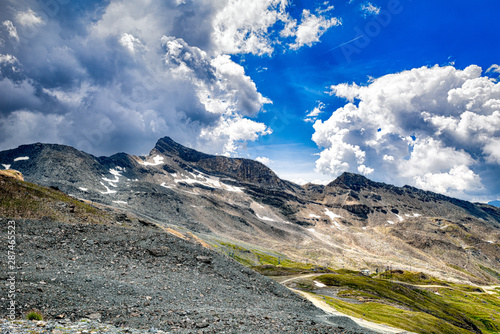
(313, 115)
(248, 27)
(310, 29)
(370, 9)
(221, 84)
(131, 43)
(264, 160)
(434, 128)
(230, 132)
(28, 18)
(458, 178)
(11, 29)
(238, 88)
(243, 26)
(493, 68)
(7, 59)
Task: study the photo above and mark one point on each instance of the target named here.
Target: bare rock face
(244, 170)
(243, 200)
(352, 181)
(360, 210)
(13, 174)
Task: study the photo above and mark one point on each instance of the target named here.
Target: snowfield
(157, 161)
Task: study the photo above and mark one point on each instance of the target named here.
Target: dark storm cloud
(194, 24)
(15, 96)
(97, 75)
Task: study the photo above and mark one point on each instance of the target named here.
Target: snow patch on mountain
(332, 216)
(158, 160)
(6, 166)
(265, 218)
(117, 173)
(208, 181)
(319, 284)
(21, 158)
(108, 191)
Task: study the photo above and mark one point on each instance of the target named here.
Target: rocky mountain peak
(169, 147)
(351, 181)
(245, 170)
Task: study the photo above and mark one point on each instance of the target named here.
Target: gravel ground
(146, 280)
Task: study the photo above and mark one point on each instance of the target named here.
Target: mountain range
(240, 205)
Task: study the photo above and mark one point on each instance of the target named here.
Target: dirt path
(490, 289)
(293, 278)
(379, 328)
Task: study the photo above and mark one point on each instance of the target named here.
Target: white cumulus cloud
(230, 132)
(493, 68)
(310, 29)
(430, 127)
(132, 43)
(243, 26)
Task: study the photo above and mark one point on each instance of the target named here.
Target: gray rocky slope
(352, 222)
(143, 278)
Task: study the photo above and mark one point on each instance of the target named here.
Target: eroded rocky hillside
(74, 260)
(352, 222)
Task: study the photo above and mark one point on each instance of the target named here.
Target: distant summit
(352, 181)
(169, 147)
(241, 169)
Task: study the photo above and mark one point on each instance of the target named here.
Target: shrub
(34, 315)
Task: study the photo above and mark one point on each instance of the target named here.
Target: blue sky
(402, 91)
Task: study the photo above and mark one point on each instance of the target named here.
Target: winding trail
(376, 327)
(490, 289)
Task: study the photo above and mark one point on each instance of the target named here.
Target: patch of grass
(347, 271)
(19, 199)
(34, 315)
(360, 295)
(268, 263)
(412, 277)
(413, 321)
(490, 272)
(415, 299)
(482, 308)
(460, 269)
(280, 270)
(466, 288)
